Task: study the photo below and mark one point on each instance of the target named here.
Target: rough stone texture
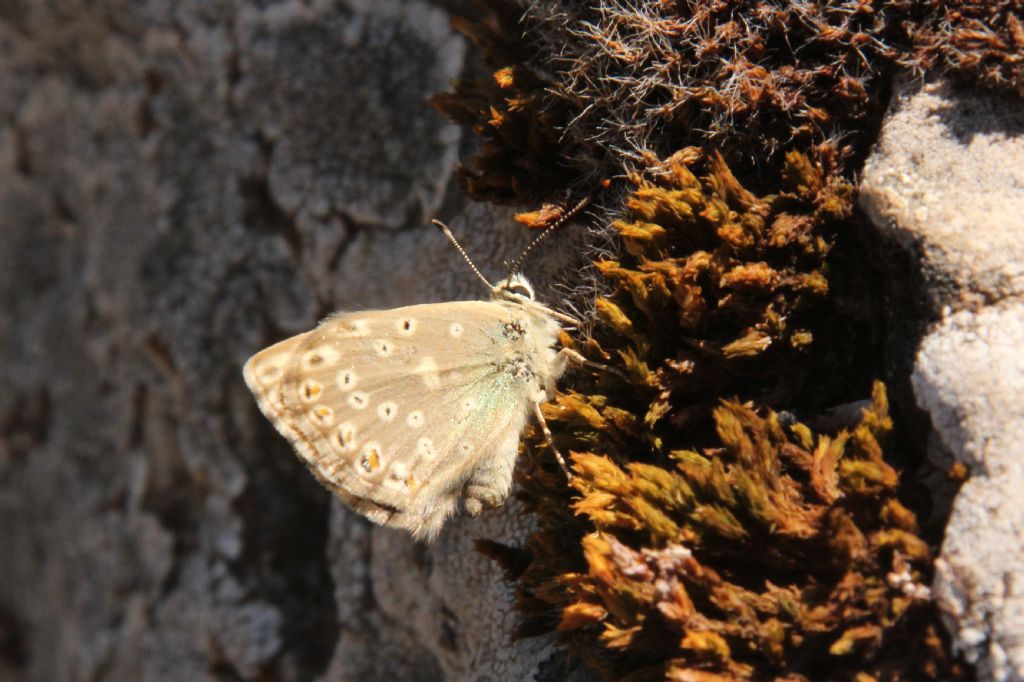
(182, 183)
(970, 378)
(947, 179)
(946, 182)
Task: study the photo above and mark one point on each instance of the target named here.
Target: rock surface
(182, 183)
(946, 182)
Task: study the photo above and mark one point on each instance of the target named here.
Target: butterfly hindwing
(398, 410)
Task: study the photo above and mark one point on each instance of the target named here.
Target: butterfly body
(403, 413)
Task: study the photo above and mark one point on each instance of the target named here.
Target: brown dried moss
(778, 554)
(977, 42)
(715, 540)
(583, 91)
(726, 289)
(578, 92)
(509, 109)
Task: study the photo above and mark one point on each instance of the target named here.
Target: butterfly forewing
(395, 410)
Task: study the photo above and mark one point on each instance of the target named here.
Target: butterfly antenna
(458, 247)
(566, 217)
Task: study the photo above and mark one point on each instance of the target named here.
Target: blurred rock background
(182, 183)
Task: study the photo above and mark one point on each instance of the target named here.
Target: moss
(716, 529)
(521, 157)
(580, 92)
(719, 537)
(764, 556)
(977, 42)
(726, 290)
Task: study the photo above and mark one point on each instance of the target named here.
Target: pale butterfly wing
(401, 412)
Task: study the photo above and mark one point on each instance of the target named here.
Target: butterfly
(405, 413)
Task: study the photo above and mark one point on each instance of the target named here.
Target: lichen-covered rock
(945, 183)
(181, 184)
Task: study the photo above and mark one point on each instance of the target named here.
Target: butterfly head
(513, 288)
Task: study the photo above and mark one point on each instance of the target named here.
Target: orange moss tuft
(762, 557)
(716, 539)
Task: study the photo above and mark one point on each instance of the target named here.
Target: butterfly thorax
(527, 339)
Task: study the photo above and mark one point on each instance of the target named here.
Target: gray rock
(946, 181)
(182, 183)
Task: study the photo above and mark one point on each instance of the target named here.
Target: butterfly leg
(551, 443)
(567, 355)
